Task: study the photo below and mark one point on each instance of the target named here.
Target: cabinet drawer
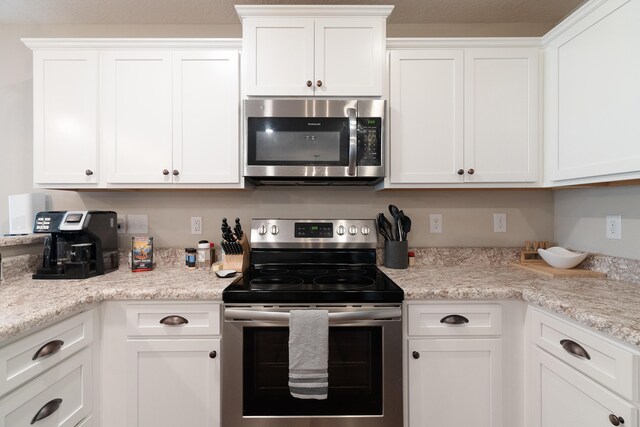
(86, 422)
(64, 390)
(455, 319)
(606, 362)
(26, 358)
(173, 319)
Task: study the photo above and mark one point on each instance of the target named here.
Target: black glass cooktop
(312, 283)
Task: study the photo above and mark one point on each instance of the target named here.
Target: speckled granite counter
(610, 306)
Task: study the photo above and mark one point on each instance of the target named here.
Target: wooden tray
(544, 268)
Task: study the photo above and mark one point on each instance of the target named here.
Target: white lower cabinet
(173, 382)
(87, 422)
(455, 382)
(564, 397)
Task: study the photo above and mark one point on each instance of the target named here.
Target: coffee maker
(81, 244)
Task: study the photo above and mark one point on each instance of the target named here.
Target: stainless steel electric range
(308, 264)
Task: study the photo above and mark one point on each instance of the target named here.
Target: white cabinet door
(137, 116)
(65, 117)
(455, 382)
(279, 56)
(501, 115)
(206, 145)
(349, 56)
(563, 397)
(426, 116)
(173, 383)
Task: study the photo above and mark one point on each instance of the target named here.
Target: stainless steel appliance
(81, 244)
(309, 264)
(307, 141)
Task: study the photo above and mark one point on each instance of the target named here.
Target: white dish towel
(308, 354)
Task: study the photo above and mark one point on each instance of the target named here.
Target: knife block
(238, 262)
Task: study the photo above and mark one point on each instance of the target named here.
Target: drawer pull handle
(575, 349)
(174, 321)
(416, 355)
(48, 409)
(49, 349)
(454, 319)
(616, 421)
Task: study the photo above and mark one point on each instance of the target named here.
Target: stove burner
(271, 270)
(344, 282)
(276, 282)
(313, 271)
(351, 271)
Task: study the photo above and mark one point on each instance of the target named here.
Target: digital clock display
(304, 230)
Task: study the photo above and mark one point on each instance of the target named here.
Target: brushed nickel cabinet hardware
(616, 421)
(165, 171)
(454, 319)
(48, 409)
(416, 355)
(575, 349)
(174, 320)
(213, 354)
(49, 349)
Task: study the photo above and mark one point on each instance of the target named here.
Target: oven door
(365, 369)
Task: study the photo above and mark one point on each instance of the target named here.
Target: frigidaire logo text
(313, 124)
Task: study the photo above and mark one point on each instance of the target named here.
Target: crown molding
(313, 11)
(461, 42)
(133, 43)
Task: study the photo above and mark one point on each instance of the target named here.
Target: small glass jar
(204, 255)
(190, 257)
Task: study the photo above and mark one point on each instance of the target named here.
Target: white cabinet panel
(137, 116)
(279, 56)
(563, 397)
(426, 116)
(206, 105)
(455, 382)
(65, 117)
(349, 57)
(173, 383)
(593, 95)
(501, 115)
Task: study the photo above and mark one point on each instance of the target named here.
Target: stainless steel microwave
(314, 141)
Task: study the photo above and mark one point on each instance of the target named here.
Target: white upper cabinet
(501, 115)
(592, 95)
(65, 117)
(136, 111)
(463, 116)
(313, 50)
(426, 116)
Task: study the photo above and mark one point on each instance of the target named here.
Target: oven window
(355, 373)
(298, 141)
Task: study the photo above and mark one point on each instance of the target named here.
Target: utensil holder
(396, 254)
(237, 262)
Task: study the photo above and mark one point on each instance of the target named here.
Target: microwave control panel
(369, 141)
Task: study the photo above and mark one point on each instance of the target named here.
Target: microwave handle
(353, 141)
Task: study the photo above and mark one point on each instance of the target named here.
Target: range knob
(353, 230)
(365, 231)
(262, 230)
(274, 230)
(340, 230)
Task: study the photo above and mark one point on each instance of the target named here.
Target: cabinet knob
(454, 319)
(616, 421)
(471, 171)
(309, 83)
(48, 409)
(165, 172)
(88, 172)
(460, 171)
(176, 172)
(49, 349)
(213, 354)
(173, 320)
(575, 349)
(319, 83)
(416, 355)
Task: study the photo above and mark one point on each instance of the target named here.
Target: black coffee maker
(82, 244)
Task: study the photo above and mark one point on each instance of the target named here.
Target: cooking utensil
(395, 213)
(382, 227)
(405, 223)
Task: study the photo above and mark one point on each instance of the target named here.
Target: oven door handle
(283, 316)
(353, 141)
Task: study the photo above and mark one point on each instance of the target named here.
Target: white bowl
(561, 258)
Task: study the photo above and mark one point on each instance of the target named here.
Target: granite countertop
(25, 239)
(609, 306)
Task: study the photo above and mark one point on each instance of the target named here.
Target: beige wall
(467, 215)
(580, 219)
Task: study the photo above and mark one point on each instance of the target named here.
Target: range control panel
(312, 233)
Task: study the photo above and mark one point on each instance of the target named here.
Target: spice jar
(412, 258)
(190, 257)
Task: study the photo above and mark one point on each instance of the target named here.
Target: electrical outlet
(196, 225)
(138, 224)
(499, 222)
(122, 225)
(435, 223)
(614, 227)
